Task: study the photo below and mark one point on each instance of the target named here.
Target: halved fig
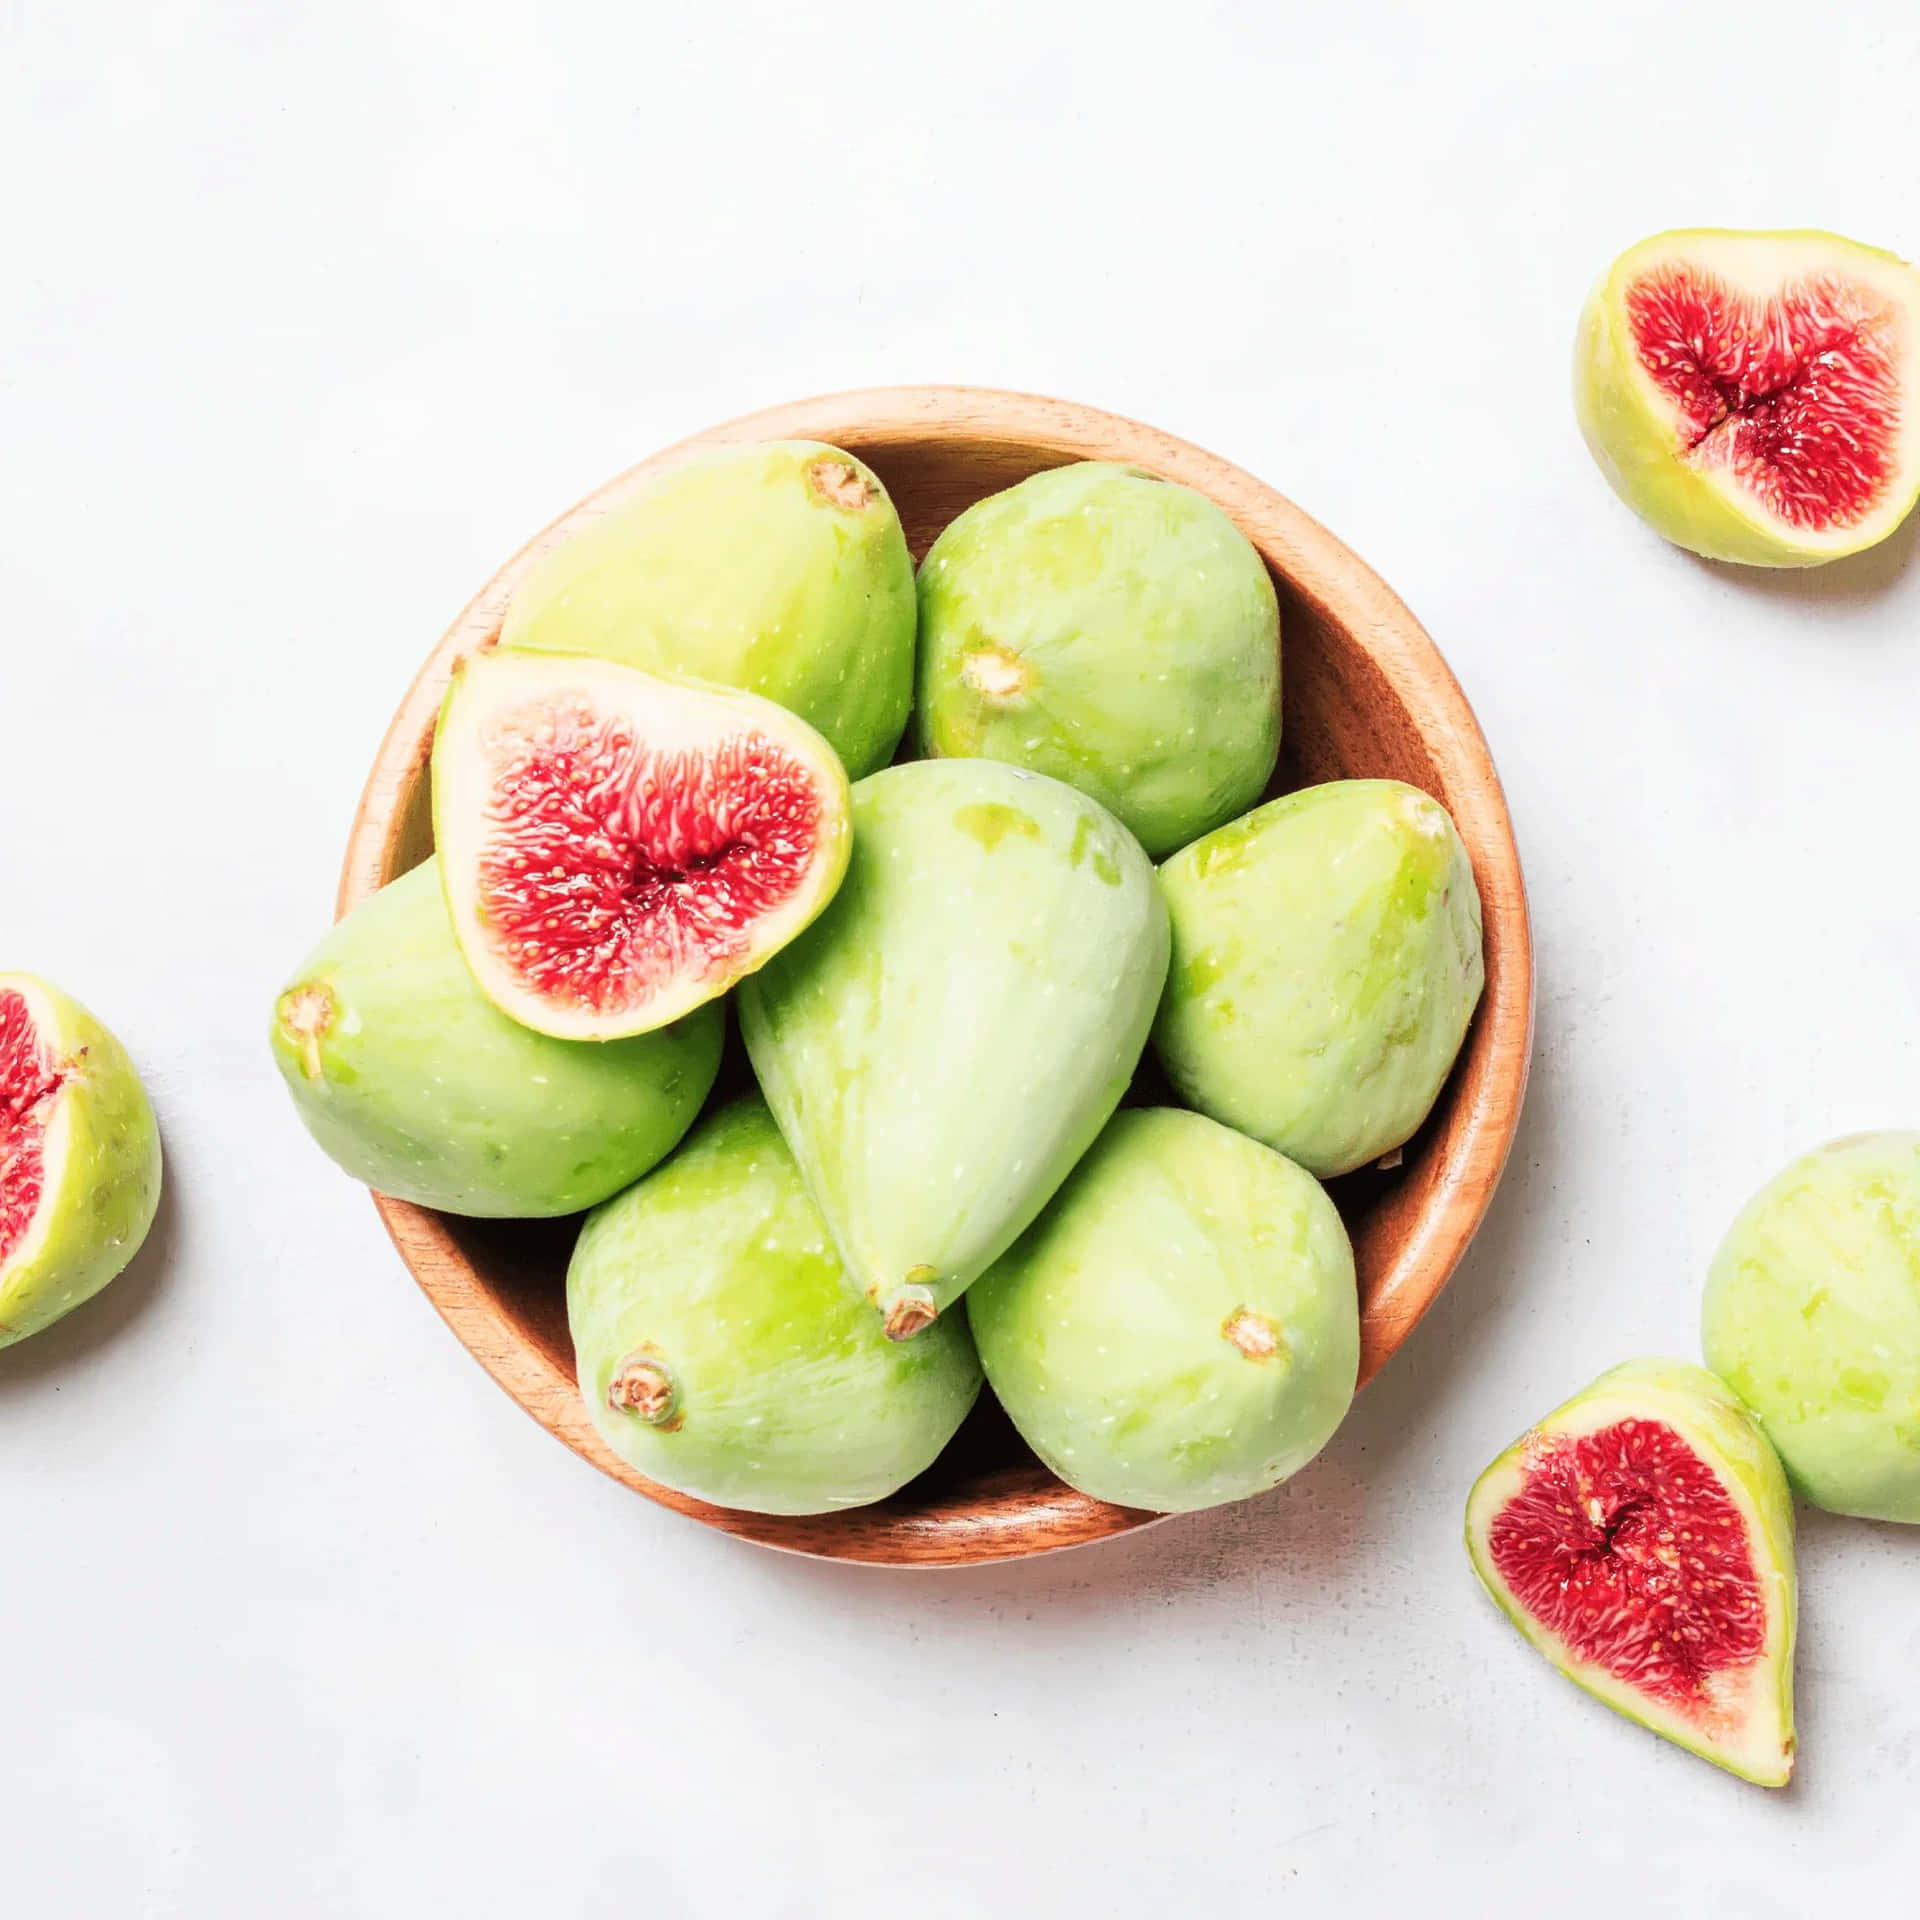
(618, 848)
(79, 1156)
(1641, 1537)
(1751, 395)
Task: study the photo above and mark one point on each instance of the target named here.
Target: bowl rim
(1317, 568)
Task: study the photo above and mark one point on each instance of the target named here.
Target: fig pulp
(1813, 1318)
(1179, 1328)
(1114, 631)
(1326, 963)
(948, 1039)
(617, 848)
(1641, 1537)
(413, 1081)
(79, 1156)
(778, 568)
(723, 1352)
(1751, 395)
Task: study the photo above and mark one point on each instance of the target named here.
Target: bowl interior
(1366, 694)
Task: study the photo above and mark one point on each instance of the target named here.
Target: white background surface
(310, 316)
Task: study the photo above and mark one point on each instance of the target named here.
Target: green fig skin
(1758, 1743)
(779, 567)
(1326, 965)
(1812, 1316)
(1180, 1327)
(946, 1040)
(1638, 440)
(412, 1081)
(769, 1384)
(100, 1157)
(1114, 631)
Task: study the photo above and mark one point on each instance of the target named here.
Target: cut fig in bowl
(1751, 395)
(1641, 1537)
(619, 848)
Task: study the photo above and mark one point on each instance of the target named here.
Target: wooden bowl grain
(1366, 693)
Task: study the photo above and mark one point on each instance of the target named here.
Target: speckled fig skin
(723, 1352)
(1758, 1744)
(1115, 631)
(101, 1161)
(1638, 440)
(1326, 964)
(948, 1038)
(1812, 1316)
(1180, 1327)
(411, 1080)
(780, 568)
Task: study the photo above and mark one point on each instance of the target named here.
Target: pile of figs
(679, 782)
(974, 972)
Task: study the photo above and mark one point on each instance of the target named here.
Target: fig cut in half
(619, 848)
(1751, 395)
(79, 1156)
(1641, 1537)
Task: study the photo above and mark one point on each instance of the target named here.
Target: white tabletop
(313, 313)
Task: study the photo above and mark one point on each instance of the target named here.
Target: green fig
(1751, 395)
(1180, 1327)
(1112, 630)
(1641, 1537)
(780, 568)
(722, 1351)
(79, 1156)
(1813, 1318)
(410, 1079)
(946, 1040)
(1326, 963)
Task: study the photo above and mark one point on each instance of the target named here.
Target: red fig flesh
(1751, 395)
(620, 848)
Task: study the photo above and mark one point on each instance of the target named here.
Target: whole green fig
(411, 1080)
(778, 567)
(946, 1040)
(1326, 964)
(1114, 631)
(1179, 1327)
(1812, 1316)
(723, 1351)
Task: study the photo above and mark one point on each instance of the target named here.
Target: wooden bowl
(1366, 694)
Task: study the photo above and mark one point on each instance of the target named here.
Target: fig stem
(643, 1384)
(839, 485)
(305, 1014)
(910, 1311)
